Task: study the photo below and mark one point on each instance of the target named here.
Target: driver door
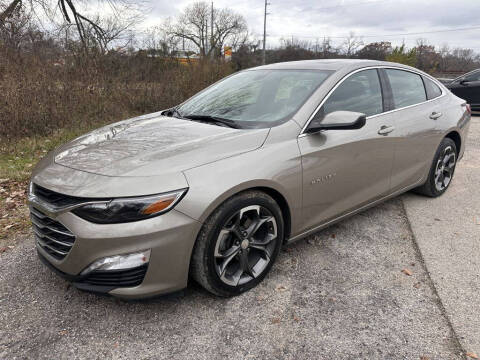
(345, 169)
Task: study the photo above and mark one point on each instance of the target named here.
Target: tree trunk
(9, 10)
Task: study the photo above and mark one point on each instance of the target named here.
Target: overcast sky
(371, 19)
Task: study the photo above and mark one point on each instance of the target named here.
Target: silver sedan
(212, 188)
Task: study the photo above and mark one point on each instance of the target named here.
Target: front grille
(117, 278)
(51, 236)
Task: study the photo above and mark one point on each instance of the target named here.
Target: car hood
(153, 145)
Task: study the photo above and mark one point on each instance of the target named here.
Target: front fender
(276, 166)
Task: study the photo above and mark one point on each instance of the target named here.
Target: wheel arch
(284, 207)
(268, 187)
(456, 138)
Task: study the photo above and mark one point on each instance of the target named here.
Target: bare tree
(117, 31)
(71, 14)
(466, 59)
(9, 10)
(193, 26)
(16, 28)
(327, 49)
(158, 42)
(228, 26)
(351, 44)
(428, 59)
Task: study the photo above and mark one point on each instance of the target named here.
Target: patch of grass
(18, 159)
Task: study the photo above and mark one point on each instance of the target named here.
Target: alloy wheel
(444, 169)
(245, 245)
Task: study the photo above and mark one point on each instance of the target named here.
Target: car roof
(329, 64)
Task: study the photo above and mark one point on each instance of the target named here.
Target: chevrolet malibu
(212, 188)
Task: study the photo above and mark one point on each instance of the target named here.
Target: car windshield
(466, 75)
(256, 98)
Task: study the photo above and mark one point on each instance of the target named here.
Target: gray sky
(309, 20)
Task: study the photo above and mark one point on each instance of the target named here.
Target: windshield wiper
(213, 119)
(173, 112)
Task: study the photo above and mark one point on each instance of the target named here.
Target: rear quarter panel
(455, 118)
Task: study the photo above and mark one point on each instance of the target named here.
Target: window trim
(304, 128)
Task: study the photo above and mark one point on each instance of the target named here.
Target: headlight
(129, 209)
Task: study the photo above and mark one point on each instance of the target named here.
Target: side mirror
(338, 120)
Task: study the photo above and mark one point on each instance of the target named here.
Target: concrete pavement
(447, 231)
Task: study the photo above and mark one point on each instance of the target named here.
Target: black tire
(205, 265)
(429, 188)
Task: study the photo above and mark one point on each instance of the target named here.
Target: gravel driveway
(338, 294)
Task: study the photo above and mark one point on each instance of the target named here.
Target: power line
(476, 27)
(428, 32)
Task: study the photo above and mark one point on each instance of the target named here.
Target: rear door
(345, 169)
(415, 125)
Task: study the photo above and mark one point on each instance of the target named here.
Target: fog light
(119, 262)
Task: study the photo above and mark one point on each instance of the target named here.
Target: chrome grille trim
(38, 213)
(49, 227)
(56, 251)
(51, 236)
(52, 239)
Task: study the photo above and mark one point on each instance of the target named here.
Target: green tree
(375, 51)
(403, 56)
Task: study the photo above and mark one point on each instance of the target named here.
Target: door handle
(385, 130)
(435, 115)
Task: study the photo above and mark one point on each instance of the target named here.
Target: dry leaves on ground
(13, 209)
(471, 355)
(407, 272)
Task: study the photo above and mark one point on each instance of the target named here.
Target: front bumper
(170, 237)
(101, 281)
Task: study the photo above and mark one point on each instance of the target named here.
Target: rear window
(433, 90)
(407, 88)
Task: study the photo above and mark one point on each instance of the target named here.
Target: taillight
(469, 109)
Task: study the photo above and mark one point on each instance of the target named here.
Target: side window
(407, 88)
(361, 92)
(433, 91)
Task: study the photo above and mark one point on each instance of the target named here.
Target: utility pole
(264, 31)
(211, 36)
(206, 38)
